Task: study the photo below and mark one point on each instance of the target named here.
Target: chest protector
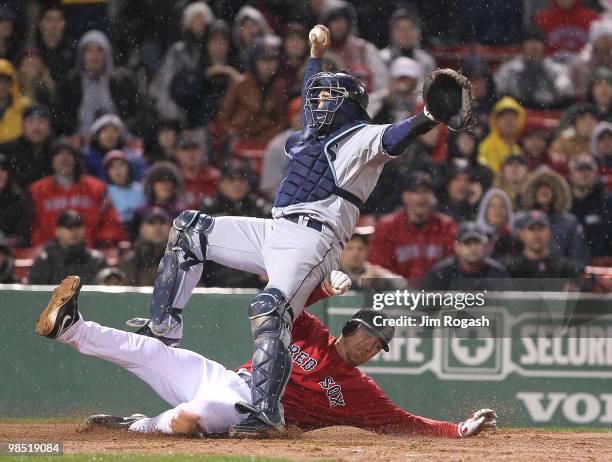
(310, 175)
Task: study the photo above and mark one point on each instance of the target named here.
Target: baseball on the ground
(316, 35)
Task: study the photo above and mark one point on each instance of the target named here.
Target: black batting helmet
(373, 321)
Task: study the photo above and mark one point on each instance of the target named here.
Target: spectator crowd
(116, 115)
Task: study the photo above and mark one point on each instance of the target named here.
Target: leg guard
(180, 269)
(271, 318)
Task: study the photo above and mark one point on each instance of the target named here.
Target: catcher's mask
(325, 92)
(366, 319)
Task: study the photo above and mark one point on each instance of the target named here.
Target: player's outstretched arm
(448, 99)
(372, 410)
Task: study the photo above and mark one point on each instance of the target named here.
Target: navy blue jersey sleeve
(398, 136)
(315, 65)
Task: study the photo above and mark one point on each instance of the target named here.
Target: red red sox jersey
(324, 390)
(410, 250)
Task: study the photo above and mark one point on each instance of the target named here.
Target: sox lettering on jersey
(302, 358)
(333, 392)
(412, 252)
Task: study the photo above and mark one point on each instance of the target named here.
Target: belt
(306, 220)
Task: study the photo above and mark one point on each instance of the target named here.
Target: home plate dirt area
(336, 443)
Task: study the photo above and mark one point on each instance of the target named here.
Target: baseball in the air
(316, 35)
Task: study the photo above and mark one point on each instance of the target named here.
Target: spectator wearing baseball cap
(398, 100)
(199, 178)
(108, 132)
(127, 195)
(235, 196)
(460, 192)
(110, 277)
(274, 157)
(14, 212)
(30, 153)
(364, 275)
(140, 264)
(549, 192)
(254, 106)
(550, 270)
(469, 269)
(13, 102)
(67, 254)
(591, 204)
(506, 123)
(412, 239)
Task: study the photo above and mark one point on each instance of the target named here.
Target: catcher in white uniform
(333, 165)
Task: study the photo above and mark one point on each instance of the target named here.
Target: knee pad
(186, 228)
(271, 316)
(178, 272)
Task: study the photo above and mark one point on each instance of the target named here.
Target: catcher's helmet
(365, 318)
(340, 90)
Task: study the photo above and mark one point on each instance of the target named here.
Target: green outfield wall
(518, 365)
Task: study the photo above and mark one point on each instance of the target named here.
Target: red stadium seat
(252, 152)
(24, 258)
(453, 56)
(598, 278)
(541, 120)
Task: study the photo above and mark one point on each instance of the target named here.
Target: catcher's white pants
(186, 380)
(294, 257)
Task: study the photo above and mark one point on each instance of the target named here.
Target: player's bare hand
(318, 48)
(337, 283)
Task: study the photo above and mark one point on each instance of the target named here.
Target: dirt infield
(338, 443)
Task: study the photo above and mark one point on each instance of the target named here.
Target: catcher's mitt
(448, 99)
